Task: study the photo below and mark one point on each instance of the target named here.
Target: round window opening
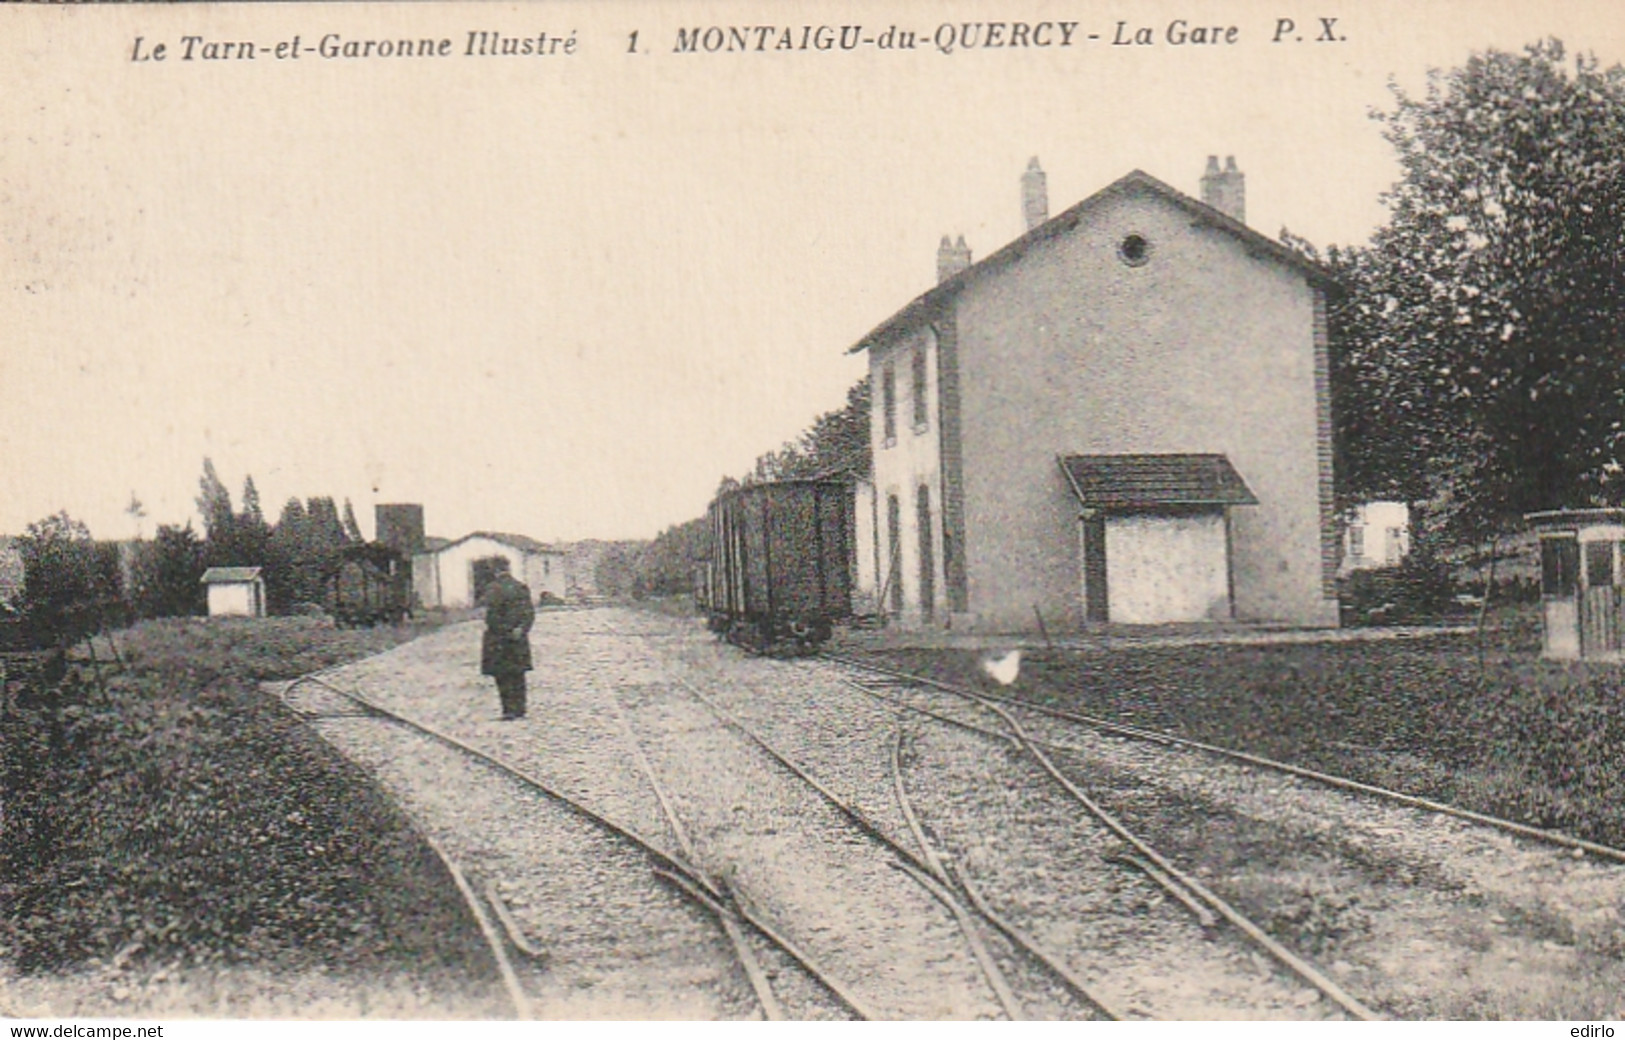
(1134, 250)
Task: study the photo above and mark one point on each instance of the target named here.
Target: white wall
(1070, 351)
(913, 458)
(445, 578)
(1379, 546)
(235, 599)
(1166, 569)
(544, 572)
(865, 539)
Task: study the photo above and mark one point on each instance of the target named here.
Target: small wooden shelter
(235, 591)
(1581, 576)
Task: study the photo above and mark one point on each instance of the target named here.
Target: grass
(1515, 736)
(184, 818)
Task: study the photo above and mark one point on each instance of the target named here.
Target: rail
(690, 880)
(912, 863)
(1525, 830)
(1297, 965)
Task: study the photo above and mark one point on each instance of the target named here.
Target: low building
(1377, 535)
(454, 574)
(235, 591)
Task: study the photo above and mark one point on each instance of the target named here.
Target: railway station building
(1122, 416)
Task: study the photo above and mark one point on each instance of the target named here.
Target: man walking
(505, 651)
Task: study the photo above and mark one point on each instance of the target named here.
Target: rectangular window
(922, 411)
(1559, 566)
(928, 562)
(894, 564)
(1599, 564)
(1357, 540)
(888, 404)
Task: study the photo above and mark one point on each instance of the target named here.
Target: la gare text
(948, 37)
(477, 43)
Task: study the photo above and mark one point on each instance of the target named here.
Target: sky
(564, 295)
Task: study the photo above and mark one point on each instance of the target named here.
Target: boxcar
(779, 570)
(372, 584)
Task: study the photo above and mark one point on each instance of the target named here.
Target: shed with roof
(235, 591)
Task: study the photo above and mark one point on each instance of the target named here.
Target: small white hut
(235, 591)
(1582, 560)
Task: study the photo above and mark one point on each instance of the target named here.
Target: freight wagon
(778, 574)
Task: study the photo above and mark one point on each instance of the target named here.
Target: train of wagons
(778, 570)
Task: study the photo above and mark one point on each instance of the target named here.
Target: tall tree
(213, 500)
(352, 530)
(248, 539)
(292, 518)
(251, 502)
(1479, 347)
(290, 580)
(166, 574)
(325, 529)
(836, 444)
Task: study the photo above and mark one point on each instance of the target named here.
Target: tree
(615, 573)
(288, 581)
(666, 566)
(251, 502)
(326, 530)
(836, 444)
(213, 501)
(352, 530)
(301, 551)
(69, 582)
(168, 572)
(1477, 362)
(293, 516)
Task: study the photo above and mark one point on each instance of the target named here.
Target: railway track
(916, 850)
(1451, 875)
(1206, 906)
(723, 762)
(1119, 729)
(981, 928)
(521, 965)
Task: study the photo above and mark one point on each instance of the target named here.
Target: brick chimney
(952, 258)
(1225, 191)
(1034, 195)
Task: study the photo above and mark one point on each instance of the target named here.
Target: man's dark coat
(507, 611)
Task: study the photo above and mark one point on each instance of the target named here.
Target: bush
(182, 812)
(166, 574)
(70, 583)
(1416, 590)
